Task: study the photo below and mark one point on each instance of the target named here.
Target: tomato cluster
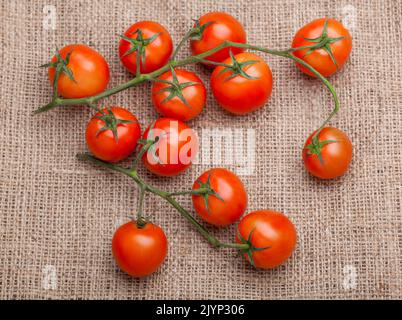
(241, 82)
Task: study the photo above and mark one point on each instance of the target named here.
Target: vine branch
(139, 78)
(57, 101)
(144, 186)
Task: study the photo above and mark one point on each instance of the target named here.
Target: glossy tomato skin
(320, 59)
(273, 230)
(240, 95)
(230, 189)
(176, 148)
(90, 71)
(139, 251)
(175, 108)
(224, 28)
(336, 156)
(104, 145)
(157, 53)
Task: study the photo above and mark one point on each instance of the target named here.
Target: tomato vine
(244, 246)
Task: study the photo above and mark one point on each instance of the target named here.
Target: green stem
(133, 82)
(93, 99)
(141, 202)
(204, 232)
(288, 54)
(192, 59)
(56, 81)
(328, 85)
(138, 55)
(186, 192)
(213, 62)
(132, 173)
(181, 43)
(167, 196)
(239, 246)
(95, 107)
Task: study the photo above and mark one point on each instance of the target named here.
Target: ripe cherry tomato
(156, 43)
(183, 98)
(242, 93)
(101, 139)
(88, 68)
(320, 59)
(226, 200)
(139, 250)
(175, 149)
(221, 27)
(271, 230)
(336, 154)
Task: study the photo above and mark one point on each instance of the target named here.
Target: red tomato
(187, 92)
(271, 230)
(222, 27)
(139, 250)
(226, 201)
(335, 153)
(175, 149)
(320, 59)
(156, 41)
(237, 93)
(103, 143)
(88, 68)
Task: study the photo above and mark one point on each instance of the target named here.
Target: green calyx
(175, 88)
(196, 32)
(236, 68)
(149, 144)
(138, 44)
(205, 191)
(315, 147)
(250, 248)
(323, 42)
(141, 222)
(61, 65)
(111, 122)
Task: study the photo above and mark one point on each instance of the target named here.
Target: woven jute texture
(57, 215)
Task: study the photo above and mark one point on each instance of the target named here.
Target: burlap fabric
(57, 215)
